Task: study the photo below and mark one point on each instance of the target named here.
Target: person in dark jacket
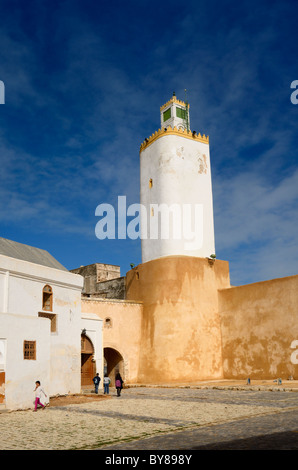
(118, 384)
(96, 381)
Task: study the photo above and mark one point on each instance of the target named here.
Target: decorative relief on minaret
(202, 160)
(180, 152)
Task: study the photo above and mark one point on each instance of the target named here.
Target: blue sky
(84, 81)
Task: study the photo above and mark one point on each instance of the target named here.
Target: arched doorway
(113, 363)
(87, 361)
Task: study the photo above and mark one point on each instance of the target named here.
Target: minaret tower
(175, 113)
(176, 189)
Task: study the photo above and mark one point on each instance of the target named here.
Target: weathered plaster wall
(96, 273)
(122, 331)
(58, 354)
(259, 327)
(175, 172)
(111, 289)
(20, 374)
(191, 325)
(180, 332)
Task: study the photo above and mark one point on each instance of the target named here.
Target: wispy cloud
(256, 223)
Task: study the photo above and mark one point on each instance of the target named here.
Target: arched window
(47, 298)
(150, 183)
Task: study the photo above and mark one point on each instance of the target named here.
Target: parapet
(180, 132)
(174, 100)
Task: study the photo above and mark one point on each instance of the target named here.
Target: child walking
(38, 392)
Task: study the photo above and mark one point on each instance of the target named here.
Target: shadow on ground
(275, 441)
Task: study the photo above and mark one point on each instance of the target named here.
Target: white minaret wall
(175, 169)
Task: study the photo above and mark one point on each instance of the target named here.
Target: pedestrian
(118, 384)
(38, 392)
(106, 383)
(96, 381)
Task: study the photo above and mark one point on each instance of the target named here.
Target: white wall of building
(20, 374)
(58, 354)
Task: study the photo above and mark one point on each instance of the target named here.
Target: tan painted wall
(259, 325)
(183, 322)
(181, 338)
(124, 334)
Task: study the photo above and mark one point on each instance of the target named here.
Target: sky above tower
(84, 82)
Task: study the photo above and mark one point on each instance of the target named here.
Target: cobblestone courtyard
(145, 418)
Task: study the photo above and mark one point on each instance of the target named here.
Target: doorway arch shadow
(113, 363)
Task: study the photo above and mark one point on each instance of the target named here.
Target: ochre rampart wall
(180, 330)
(259, 328)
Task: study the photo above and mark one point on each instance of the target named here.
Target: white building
(176, 189)
(40, 326)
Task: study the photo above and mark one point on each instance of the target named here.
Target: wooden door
(2, 387)
(87, 362)
(87, 369)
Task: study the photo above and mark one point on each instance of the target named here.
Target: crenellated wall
(169, 131)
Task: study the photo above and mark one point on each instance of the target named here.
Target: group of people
(106, 383)
(39, 391)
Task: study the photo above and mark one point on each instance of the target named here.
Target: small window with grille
(30, 350)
